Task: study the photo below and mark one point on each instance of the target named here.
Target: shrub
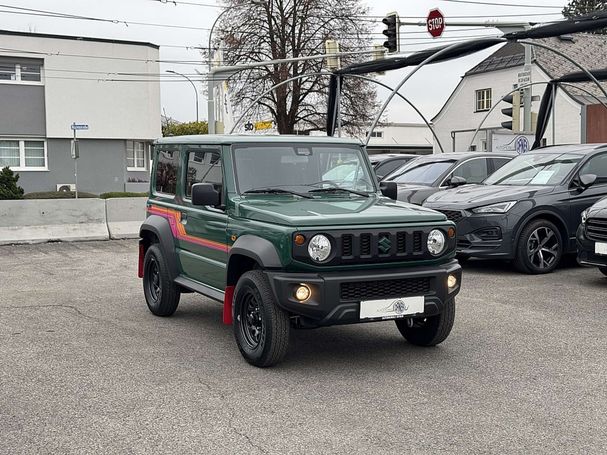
(59, 195)
(8, 185)
(113, 194)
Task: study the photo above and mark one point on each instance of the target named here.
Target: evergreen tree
(581, 7)
(8, 185)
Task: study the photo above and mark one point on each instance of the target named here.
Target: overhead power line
(518, 5)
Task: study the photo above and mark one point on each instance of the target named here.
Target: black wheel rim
(154, 280)
(251, 323)
(543, 248)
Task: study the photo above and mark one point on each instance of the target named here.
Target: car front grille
(596, 229)
(452, 215)
(384, 289)
(380, 245)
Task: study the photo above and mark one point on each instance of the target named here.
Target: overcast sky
(429, 88)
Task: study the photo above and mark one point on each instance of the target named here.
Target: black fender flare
(255, 248)
(161, 228)
(538, 214)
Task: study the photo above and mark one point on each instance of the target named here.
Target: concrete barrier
(124, 216)
(44, 220)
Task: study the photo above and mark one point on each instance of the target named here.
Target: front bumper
(336, 296)
(585, 250)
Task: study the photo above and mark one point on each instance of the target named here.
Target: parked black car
(529, 210)
(592, 236)
(385, 163)
(415, 181)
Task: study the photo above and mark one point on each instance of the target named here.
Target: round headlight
(436, 242)
(319, 248)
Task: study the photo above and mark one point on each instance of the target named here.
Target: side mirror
(587, 180)
(456, 181)
(205, 194)
(389, 189)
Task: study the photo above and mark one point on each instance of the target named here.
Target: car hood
(470, 196)
(415, 194)
(332, 211)
(599, 209)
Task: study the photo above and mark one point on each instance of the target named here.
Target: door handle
(184, 217)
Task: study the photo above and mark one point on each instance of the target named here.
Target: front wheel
(603, 270)
(261, 327)
(428, 331)
(539, 249)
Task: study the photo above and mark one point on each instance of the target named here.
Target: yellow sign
(263, 125)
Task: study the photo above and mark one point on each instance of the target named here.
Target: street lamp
(193, 85)
(211, 85)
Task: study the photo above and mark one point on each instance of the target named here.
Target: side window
(596, 165)
(204, 166)
(166, 170)
(389, 166)
(474, 171)
(498, 162)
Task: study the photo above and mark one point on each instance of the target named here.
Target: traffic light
(392, 24)
(514, 112)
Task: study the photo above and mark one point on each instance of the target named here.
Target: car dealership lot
(85, 367)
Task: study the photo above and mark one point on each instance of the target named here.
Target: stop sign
(435, 22)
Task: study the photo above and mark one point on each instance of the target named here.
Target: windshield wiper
(270, 190)
(337, 189)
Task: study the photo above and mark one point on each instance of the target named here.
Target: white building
(577, 117)
(401, 138)
(48, 82)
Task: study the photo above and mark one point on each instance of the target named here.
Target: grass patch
(113, 194)
(58, 195)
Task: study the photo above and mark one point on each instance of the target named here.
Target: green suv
(292, 232)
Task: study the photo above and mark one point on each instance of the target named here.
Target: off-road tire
(161, 293)
(262, 334)
(522, 262)
(428, 331)
(603, 270)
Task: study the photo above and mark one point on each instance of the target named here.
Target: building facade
(575, 115)
(49, 82)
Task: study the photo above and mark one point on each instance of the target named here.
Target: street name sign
(79, 126)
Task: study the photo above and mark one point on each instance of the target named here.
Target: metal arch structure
(429, 59)
(260, 97)
(406, 100)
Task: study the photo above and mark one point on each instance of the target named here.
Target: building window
(23, 155)
(20, 71)
(377, 134)
(484, 145)
(483, 99)
(135, 155)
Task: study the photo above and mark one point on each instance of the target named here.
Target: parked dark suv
(592, 236)
(269, 227)
(415, 181)
(384, 163)
(529, 210)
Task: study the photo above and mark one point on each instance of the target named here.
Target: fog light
(451, 281)
(302, 293)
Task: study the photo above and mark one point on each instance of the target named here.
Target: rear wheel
(539, 248)
(428, 331)
(603, 270)
(261, 327)
(161, 294)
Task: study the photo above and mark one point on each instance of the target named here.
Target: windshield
(301, 167)
(421, 173)
(535, 169)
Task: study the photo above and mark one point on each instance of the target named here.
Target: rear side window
(474, 171)
(166, 169)
(499, 162)
(204, 166)
(388, 167)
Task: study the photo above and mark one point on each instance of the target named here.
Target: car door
(581, 200)
(203, 248)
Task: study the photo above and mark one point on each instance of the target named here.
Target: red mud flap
(141, 256)
(227, 304)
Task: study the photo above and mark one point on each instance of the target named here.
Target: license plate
(391, 308)
(600, 248)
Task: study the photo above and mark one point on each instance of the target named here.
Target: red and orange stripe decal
(178, 229)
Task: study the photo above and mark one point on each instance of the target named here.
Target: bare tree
(279, 29)
(580, 7)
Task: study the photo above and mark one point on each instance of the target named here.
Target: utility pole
(527, 92)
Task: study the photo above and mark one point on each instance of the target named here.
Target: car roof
(228, 139)
(385, 156)
(462, 155)
(581, 149)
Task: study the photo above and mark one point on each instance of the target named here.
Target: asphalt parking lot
(84, 367)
